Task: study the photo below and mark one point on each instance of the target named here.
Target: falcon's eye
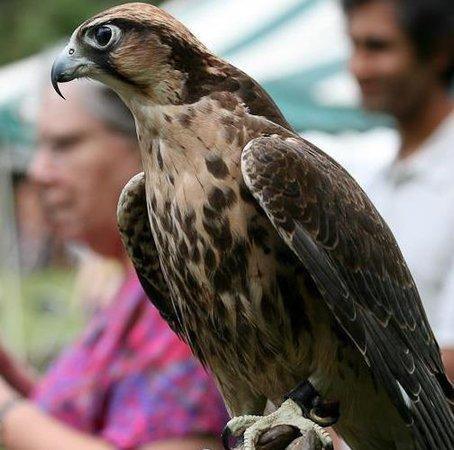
(103, 35)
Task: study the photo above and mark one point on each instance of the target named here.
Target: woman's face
(80, 167)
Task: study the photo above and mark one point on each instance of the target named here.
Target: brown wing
(136, 235)
(331, 225)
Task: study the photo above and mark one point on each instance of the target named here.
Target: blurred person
(403, 61)
(128, 382)
(96, 282)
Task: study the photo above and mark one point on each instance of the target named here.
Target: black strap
(324, 413)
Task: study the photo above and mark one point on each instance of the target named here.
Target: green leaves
(27, 26)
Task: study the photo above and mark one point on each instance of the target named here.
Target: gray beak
(65, 68)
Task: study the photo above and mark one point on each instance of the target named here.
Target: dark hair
(428, 23)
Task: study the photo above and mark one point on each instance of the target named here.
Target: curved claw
(235, 428)
(226, 436)
(289, 413)
(325, 414)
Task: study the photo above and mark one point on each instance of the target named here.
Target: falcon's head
(140, 51)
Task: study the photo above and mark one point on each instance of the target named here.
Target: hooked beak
(66, 67)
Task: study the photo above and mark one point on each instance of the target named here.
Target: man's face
(79, 168)
(391, 77)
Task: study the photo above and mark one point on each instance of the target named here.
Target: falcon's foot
(289, 413)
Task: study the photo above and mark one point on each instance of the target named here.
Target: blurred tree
(28, 26)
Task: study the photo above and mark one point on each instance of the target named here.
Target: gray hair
(106, 106)
(100, 101)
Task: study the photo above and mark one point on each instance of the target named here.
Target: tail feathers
(424, 399)
(447, 387)
(434, 420)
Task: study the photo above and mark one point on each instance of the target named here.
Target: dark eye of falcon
(103, 35)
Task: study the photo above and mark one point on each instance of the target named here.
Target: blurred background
(297, 49)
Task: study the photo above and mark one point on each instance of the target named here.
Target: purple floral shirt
(130, 380)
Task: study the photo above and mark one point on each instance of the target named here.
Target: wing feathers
(328, 221)
(134, 227)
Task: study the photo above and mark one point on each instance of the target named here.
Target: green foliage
(28, 26)
(49, 318)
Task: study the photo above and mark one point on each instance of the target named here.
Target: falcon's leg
(289, 413)
(303, 401)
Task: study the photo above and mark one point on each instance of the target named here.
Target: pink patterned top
(130, 380)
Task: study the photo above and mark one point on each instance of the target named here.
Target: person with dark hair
(403, 60)
(128, 382)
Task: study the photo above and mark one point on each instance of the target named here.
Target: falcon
(260, 250)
